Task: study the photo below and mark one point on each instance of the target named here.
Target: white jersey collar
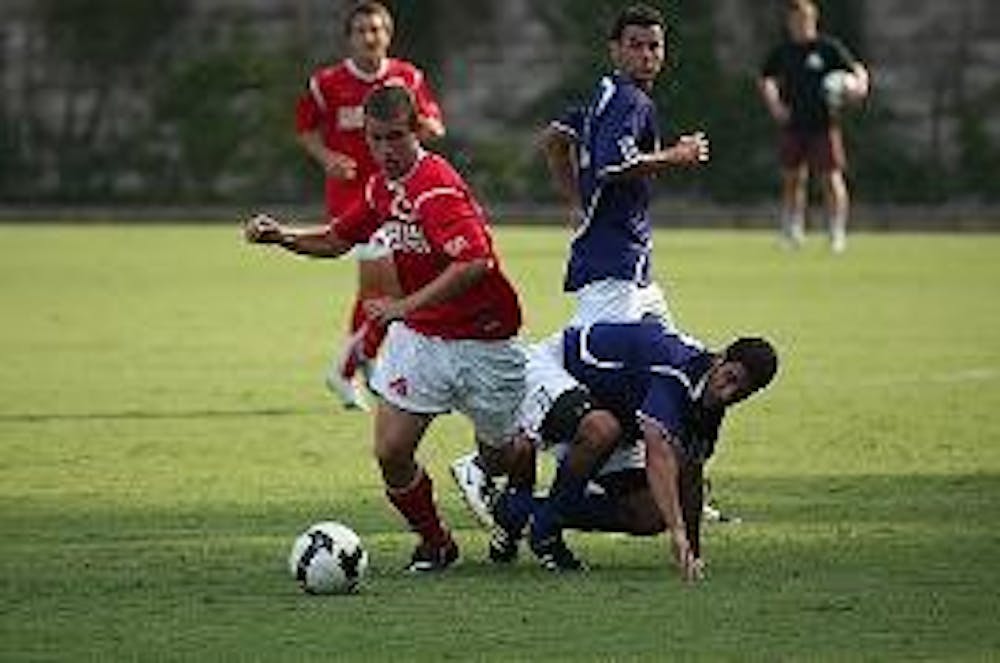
(363, 75)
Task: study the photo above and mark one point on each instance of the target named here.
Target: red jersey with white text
(429, 219)
(334, 105)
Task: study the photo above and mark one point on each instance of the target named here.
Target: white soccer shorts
(613, 300)
(483, 380)
(545, 381)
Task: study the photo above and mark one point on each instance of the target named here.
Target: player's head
(368, 28)
(638, 43)
(746, 366)
(802, 19)
(391, 129)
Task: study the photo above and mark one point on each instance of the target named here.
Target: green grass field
(164, 434)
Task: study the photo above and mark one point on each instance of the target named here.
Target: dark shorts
(822, 150)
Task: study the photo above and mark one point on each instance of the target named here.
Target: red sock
(355, 342)
(416, 503)
(374, 335)
(358, 317)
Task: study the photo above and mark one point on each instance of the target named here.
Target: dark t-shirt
(799, 70)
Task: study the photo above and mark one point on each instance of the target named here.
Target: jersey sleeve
(841, 56)
(454, 225)
(309, 109)
(772, 64)
(570, 122)
(665, 403)
(620, 142)
(427, 104)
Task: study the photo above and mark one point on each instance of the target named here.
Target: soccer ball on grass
(328, 558)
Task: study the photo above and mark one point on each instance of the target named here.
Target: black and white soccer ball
(328, 558)
(836, 87)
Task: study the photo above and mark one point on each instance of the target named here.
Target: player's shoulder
(434, 170)
(628, 98)
(403, 71)
(835, 45)
(330, 72)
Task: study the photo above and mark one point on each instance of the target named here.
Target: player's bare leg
(409, 487)
(794, 183)
(838, 204)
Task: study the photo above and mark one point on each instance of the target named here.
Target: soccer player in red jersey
(330, 127)
(451, 334)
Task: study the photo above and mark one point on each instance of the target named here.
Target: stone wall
(926, 57)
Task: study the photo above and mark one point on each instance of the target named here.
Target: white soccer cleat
(792, 237)
(475, 487)
(346, 390)
(838, 242)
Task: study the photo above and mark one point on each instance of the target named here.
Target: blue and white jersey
(640, 369)
(614, 240)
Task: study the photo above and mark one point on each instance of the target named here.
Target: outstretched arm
(689, 150)
(692, 497)
(663, 474)
(315, 241)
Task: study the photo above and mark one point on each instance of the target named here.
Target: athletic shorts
(613, 300)
(545, 380)
(483, 380)
(378, 246)
(822, 150)
(626, 458)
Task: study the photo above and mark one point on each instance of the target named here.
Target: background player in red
(330, 126)
(450, 344)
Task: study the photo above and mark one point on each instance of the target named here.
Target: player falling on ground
(602, 158)
(637, 411)
(450, 343)
(791, 84)
(330, 126)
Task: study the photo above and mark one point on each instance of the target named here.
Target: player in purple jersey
(637, 411)
(602, 157)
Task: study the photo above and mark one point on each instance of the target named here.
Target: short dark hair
(803, 6)
(389, 102)
(757, 356)
(638, 14)
(368, 8)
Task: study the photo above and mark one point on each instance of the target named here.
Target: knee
(390, 451)
(599, 430)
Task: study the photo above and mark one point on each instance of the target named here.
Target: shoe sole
(482, 519)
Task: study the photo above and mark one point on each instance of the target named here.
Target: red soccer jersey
(429, 218)
(334, 105)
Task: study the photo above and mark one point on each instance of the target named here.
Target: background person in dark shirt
(805, 100)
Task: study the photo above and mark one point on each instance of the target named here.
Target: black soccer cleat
(503, 545)
(553, 555)
(428, 558)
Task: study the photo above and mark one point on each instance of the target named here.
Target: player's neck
(367, 68)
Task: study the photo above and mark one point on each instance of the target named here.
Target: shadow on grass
(931, 501)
